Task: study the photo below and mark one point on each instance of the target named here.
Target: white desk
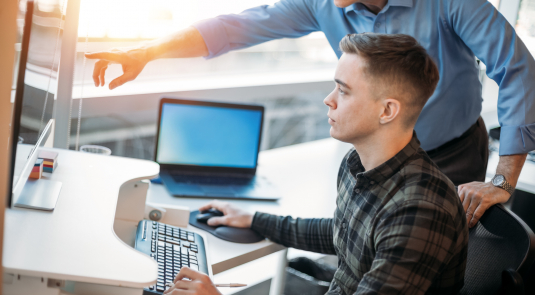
(76, 241)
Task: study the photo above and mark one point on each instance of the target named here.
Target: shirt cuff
(261, 223)
(215, 36)
(516, 140)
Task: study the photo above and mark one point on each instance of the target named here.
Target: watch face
(498, 180)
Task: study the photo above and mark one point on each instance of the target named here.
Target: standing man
(453, 32)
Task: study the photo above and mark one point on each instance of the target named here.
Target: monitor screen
(38, 52)
(208, 136)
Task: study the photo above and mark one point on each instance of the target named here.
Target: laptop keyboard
(210, 180)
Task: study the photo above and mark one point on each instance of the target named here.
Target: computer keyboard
(172, 247)
(211, 180)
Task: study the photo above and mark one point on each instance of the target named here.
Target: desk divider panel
(130, 209)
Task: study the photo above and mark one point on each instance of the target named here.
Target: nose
(330, 100)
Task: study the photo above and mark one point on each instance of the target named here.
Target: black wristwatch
(499, 181)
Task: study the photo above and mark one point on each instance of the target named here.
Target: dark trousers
(464, 159)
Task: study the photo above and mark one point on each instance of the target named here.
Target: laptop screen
(208, 136)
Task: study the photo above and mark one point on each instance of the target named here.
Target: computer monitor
(33, 70)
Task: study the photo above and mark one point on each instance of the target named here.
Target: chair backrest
(500, 241)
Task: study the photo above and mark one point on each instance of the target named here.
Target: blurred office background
(289, 76)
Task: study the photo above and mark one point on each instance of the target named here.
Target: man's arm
(213, 37)
(414, 244)
(284, 19)
(314, 235)
(492, 39)
(477, 197)
(185, 43)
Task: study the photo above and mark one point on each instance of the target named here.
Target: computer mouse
(227, 233)
(205, 215)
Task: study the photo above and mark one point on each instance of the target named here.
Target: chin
(337, 136)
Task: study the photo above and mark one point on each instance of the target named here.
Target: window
(106, 24)
(277, 74)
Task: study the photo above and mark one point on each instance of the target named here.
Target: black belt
(454, 141)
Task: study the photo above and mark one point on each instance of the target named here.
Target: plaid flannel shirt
(399, 228)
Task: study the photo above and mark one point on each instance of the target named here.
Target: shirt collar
(384, 171)
(359, 7)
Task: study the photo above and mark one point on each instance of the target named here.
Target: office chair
(501, 250)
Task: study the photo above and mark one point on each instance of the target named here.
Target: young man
(399, 227)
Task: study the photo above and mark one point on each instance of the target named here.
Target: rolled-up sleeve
(314, 234)
(493, 40)
(284, 19)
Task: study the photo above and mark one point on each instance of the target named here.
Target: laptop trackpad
(217, 189)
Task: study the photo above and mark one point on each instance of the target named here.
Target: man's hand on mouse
(234, 216)
(198, 284)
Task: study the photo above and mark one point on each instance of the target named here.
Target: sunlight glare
(144, 19)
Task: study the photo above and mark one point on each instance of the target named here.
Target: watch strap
(505, 185)
(508, 187)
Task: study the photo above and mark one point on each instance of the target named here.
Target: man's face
(353, 109)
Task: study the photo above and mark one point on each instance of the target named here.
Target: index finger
(186, 272)
(105, 55)
(207, 206)
(480, 210)
(214, 204)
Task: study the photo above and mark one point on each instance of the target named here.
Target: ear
(391, 109)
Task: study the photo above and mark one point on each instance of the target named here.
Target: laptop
(210, 150)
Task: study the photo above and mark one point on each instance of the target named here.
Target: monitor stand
(40, 194)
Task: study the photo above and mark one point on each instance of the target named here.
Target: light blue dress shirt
(452, 31)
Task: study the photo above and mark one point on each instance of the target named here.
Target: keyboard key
(174, 242)
(194, 267)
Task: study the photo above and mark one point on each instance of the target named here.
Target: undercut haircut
(398, 66)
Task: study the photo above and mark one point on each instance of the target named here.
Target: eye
(340, 90)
